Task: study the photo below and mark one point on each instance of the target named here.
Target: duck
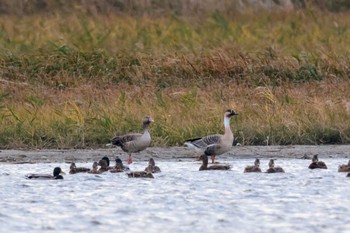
(253, 168)
(119, 166)
(74, 169)
(216, 144)
(344, 167)
(103, 166)
(134, 142)
(204, 165)
(316, 163)
(140, 174)
(272, 168)
(152, 168)
(94, 169)
(57, 175)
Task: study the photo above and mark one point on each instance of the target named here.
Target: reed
(76, 87)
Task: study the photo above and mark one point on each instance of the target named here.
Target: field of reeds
(74, 81)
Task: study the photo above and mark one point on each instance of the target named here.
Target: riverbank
(172, 154)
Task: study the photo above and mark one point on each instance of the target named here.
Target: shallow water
(180, 199)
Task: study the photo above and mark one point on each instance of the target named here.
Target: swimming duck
(119, 166)
(272, 168)
(152, 166)
(254, 168)
(204, 165)
(57, 175)
(140, 174)
(134, 142)
(217, 144)
(316, 163)
(94, 169)
(74, 169)
(103, 166)
(344, 167)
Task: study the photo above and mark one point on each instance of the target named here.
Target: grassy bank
(75, 81)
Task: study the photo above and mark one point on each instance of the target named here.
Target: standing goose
(204, 165)
(134, 142)
(254, 168)
(57, 175)
(272, 168)
(216, 144)
(344, 167)
(317, 164)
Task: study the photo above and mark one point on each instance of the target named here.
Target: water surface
(180, 199)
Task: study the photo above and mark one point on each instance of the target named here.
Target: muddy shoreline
(171, 153)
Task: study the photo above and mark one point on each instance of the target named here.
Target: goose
(74, 169)
(344, 167)
(57, 175)
(152, 168)
(134, 142)
(119, 166)
(140, 174)
(94, 169)
(204, 165)
(272, 168)
(317, 164)
(216, 144)
(253, 168)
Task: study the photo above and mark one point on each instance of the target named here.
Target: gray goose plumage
(216, 144)
(134, 142)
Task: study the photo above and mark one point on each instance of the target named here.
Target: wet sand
(171, 153)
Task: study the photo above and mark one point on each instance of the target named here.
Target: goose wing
(121, 140)
(204, 142)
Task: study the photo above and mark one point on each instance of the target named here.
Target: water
(180, 199)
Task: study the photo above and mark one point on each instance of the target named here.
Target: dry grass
(76, 86)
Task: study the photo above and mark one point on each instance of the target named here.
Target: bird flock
(210, 145)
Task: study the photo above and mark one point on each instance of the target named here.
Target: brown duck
(152, 168)
(253, 168)
(204, 165)
(317, 164)
(140, 174)
(74, 169)
(273, 169)
(344, 167)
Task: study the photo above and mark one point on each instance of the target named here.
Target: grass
(76, 86)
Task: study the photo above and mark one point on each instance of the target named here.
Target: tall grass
(76, 81)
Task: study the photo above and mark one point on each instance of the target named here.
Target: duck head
(271, 163)
(57, 171)
(315, 158)
(106, 159)
(151, 162)
(257, 163)
(118, 162)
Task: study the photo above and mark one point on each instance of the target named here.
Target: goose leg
(213, 159)
(130, 159)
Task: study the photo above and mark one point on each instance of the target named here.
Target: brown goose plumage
(216, 144)
(134, 142)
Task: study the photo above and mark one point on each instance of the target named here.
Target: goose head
(229, 113)
(271, 163)
(146, 121)
(257, 163)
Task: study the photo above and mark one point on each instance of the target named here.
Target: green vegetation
(75, 81)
